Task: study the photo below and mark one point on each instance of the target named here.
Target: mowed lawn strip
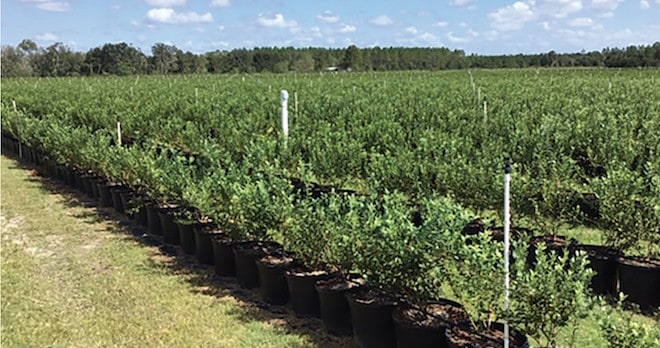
(71, 278)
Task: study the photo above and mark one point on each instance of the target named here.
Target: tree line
(28, 59)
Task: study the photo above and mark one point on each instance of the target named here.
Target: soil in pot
(497, 233)
(639, 279)
(462, 336)
(203, 246)
(245, 255)
(167, 224)
(272, 281)
(554, 243)
(371, 316)
(335, 313)
(425, 326)
(301, 283)
(602, 260)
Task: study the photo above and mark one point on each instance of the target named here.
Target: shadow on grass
(201, 278)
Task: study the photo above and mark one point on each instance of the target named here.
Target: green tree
(164, 58)
(15, 63)
(352, 58)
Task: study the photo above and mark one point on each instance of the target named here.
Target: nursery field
(395, 177)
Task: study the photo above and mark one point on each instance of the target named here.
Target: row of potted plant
(252, 202)
(401, 266)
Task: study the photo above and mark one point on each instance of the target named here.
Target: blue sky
(476, 26)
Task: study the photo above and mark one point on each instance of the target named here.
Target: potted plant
(261, 203)
(422, 319)
(307, 235)
(475, 276)
(546, 297)
(631, 223)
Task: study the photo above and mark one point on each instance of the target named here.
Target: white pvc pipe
(507, 242)
(284, 96)
(119, 133)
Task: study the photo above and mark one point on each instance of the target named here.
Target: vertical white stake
(478, 95)
(284, 96)
(485, 111)
(119, 133)
(196, 96)
(507, 242)
(131, 91)
(13, 103)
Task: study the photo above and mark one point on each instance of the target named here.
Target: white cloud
(605, 4)
(581, 22)
(644, 4)
(441, 24)
(607, 15)
(169, 16)
(512, 17)
(382, 20)
(277, 21)
(166, 3)
(455, 39)
(347, 28)
(328, 16)
(51, 6)
(220, 3)
(430, 39)
(47, 37)
(560, 8)
(411, 30)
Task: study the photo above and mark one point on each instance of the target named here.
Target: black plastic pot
(301, 283)
(245, 255)
(115, 192)
(272, 281)
(88, 181)
(602, 260)
(153, 220)
(462, 336)
(639, 279)
(425, 326)
(168, 225)
(335, 313)
(371, 315)
(223, 256)
(105, 197)
(186, 236)
(126, 196)
(203, 246)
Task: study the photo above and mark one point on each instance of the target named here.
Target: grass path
(74, 276)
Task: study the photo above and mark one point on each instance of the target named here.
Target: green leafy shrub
(549, 296)
(621, 331)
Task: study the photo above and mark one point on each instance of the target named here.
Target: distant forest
(28, 59)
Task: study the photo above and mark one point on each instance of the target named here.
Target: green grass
(72, 277)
